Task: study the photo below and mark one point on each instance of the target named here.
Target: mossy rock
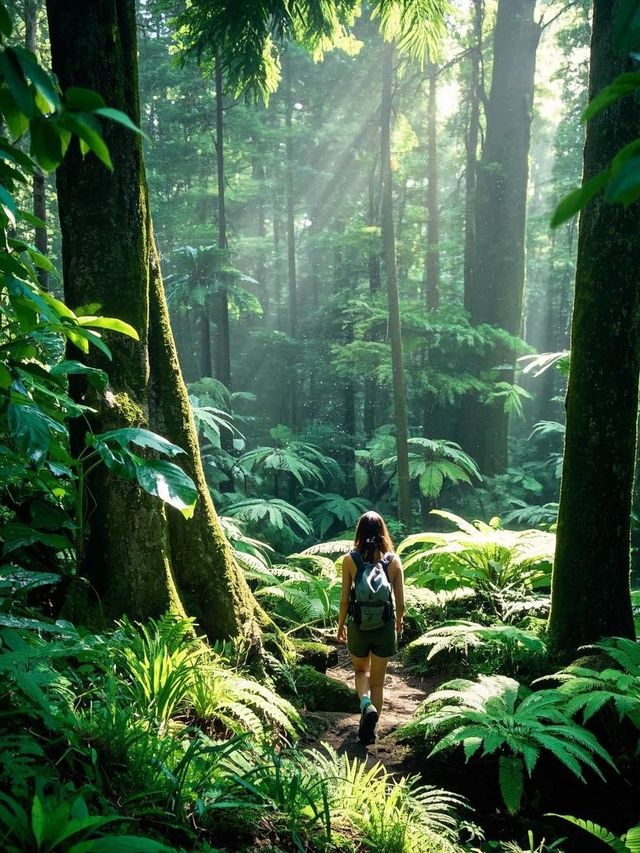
(320, 656)
(321, 693)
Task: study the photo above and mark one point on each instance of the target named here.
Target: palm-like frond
(589, 690)
(481, 554)
(275, 512)
(336, 548)
(463, 635)
(328, 509)
(496, 714)
(417, 26)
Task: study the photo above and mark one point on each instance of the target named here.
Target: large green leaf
(169, 483)
(576, 200)
(32, 430)
(110, 323)
(138, 436)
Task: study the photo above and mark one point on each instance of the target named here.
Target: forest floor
(403, 693)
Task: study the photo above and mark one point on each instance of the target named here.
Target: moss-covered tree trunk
(134, 547)
(494, 289)
(590, 590)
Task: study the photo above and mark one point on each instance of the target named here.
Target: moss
(127, 410)
(319, 656)
(321, 693)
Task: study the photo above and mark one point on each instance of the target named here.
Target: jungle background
(266, 266)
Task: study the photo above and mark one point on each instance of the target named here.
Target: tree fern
(328, 509)
(275, 513)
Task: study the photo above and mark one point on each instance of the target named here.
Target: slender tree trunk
(590, 591)
(39, 194)
(432, 261)
(221, 298)
(495, 289)
(471, 145)
(370, 384)
(395, 330)
(291, 235)
(140, 558)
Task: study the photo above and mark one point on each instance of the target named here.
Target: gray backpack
(371, 605)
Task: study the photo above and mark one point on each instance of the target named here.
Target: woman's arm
(398, 593)
(341, 636)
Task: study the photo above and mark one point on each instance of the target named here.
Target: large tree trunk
(590, 591)
(494, 292)
(393, 297)
(134, 548)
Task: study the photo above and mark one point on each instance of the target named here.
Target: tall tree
(432, 260)
(590, 594)
(494, 291)
(393, 298)
(138, 558)
(221, 301)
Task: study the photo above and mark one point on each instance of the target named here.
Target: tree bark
(140, 558)
(494, 292)
(221, 298)
(395, 330)
(291, 235)
(432, 260)
(471, 142)
(590, 595)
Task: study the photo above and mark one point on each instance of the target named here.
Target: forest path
(403, 693)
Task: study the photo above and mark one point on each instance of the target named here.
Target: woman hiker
(373, 599)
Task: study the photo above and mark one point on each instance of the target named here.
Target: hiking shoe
(368, 723)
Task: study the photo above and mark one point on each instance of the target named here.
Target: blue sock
(364, 702)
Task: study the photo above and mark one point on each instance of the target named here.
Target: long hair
(372, 535)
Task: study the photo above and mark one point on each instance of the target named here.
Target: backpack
(371, 605)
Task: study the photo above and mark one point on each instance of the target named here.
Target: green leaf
(5, 377)
(17, 121)
(576, 200)
(121, 118)
(83, 128)
(121, 844)
(5, 21)
(96, 377)
(625, 84)
(9, 206)
(84, 100)
(624, 186)
(37, 819)
(31, 430)
(49, 142)
(140, 437)
(110, 323)
(511, 778)
(169, 483)
(42, 81)
(431, 481)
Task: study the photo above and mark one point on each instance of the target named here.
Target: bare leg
(376, 680)
(361, 667)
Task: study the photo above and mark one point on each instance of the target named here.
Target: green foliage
(462, 635)
(499, 716)
(297, 597)
(479, 555)
(401, 817)
(432, 461)
(629, 842)
(330, 510)
(589, 689)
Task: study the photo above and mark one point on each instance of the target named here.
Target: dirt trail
(402, 695)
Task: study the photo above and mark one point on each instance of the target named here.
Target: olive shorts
(381, 642)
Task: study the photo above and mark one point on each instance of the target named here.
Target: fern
(463, 635)
(275, 513)
(336, 548)
(605, 835)
(588, 690)
(498, 715)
